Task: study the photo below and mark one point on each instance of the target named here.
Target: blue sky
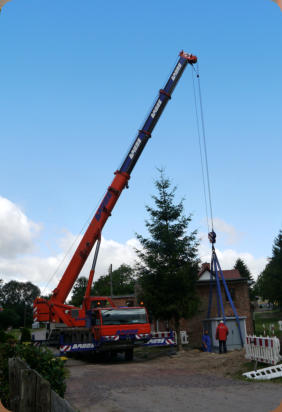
(77, 80)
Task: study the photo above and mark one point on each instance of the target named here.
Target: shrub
(25, 336)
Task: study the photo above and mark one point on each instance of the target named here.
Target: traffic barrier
(183, 336)
(263, 349)
(268, 373)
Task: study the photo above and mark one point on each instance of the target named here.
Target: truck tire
(129, 354)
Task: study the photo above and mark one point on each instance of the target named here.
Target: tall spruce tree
(168, 264)
(269, 283)
(244, 271)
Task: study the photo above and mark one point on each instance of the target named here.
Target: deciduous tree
(19, 296)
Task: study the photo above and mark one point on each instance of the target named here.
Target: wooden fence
(29, 392)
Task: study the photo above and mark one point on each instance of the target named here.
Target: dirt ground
(154, 381)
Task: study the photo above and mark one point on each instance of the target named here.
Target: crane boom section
(118, 184)
(151, 121)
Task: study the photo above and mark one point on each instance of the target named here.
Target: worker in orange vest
(221, 335)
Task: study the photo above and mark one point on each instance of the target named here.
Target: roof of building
(231, 274)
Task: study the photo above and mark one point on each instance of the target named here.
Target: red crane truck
(99, 325)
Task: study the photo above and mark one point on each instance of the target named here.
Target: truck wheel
(129, 354)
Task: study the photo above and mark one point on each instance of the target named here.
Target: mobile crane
(100, 325)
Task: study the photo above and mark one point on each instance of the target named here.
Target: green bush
(9, 317)
(25, 336)
(41, 360)
(6, 337)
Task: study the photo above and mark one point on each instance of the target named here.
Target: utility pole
(111, 278)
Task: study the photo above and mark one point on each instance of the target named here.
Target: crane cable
(201, 130)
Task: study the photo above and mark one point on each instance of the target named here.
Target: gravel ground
(190, 381)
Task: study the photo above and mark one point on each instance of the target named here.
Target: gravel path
(186, 382)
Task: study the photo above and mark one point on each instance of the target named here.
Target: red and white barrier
(263, 349)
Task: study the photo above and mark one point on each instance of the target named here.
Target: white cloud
(228, 257)
(17, 232)
(18, 241)
(19, 261)
(230, 234)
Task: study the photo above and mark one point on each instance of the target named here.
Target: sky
(77, 81)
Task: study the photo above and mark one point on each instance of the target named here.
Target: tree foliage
(269, 284)
(78, 291)
(19, 297)
(168, 267)
(123, 284)
(244, 271)
(9, 317)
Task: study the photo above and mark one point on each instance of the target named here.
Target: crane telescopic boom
(119, 182)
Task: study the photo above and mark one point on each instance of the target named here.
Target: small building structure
(239, 291)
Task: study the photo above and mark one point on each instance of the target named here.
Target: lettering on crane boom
(135, 148)
(102, 205)
(156, 108)
(176, 71)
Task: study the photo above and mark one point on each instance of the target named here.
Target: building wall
(194, 326)
(241, 303)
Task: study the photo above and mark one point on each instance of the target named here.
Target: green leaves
(41, 360)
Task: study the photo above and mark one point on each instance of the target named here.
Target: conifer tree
(168, 264)
(269, 283)
(244, 271)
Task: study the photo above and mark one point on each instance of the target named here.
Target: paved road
(164, 384)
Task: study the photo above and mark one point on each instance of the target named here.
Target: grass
(265, 320)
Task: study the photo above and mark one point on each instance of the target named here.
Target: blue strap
(219, 295)
(229, 298)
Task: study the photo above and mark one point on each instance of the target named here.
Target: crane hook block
(212, 237)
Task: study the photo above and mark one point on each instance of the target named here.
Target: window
(232, 294)
(123, 316)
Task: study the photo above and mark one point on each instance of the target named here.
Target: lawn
(266, 321)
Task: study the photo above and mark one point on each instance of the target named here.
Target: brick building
(239, 291)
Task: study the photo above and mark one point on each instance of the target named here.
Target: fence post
(28, 391)
(15, 367)
(43, 394)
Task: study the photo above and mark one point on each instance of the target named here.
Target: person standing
(221, 335)
(206, 342)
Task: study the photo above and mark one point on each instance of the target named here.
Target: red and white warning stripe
(112, 337)
(263, 349)
(141, 335)
(65, 348)
(35, 313)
